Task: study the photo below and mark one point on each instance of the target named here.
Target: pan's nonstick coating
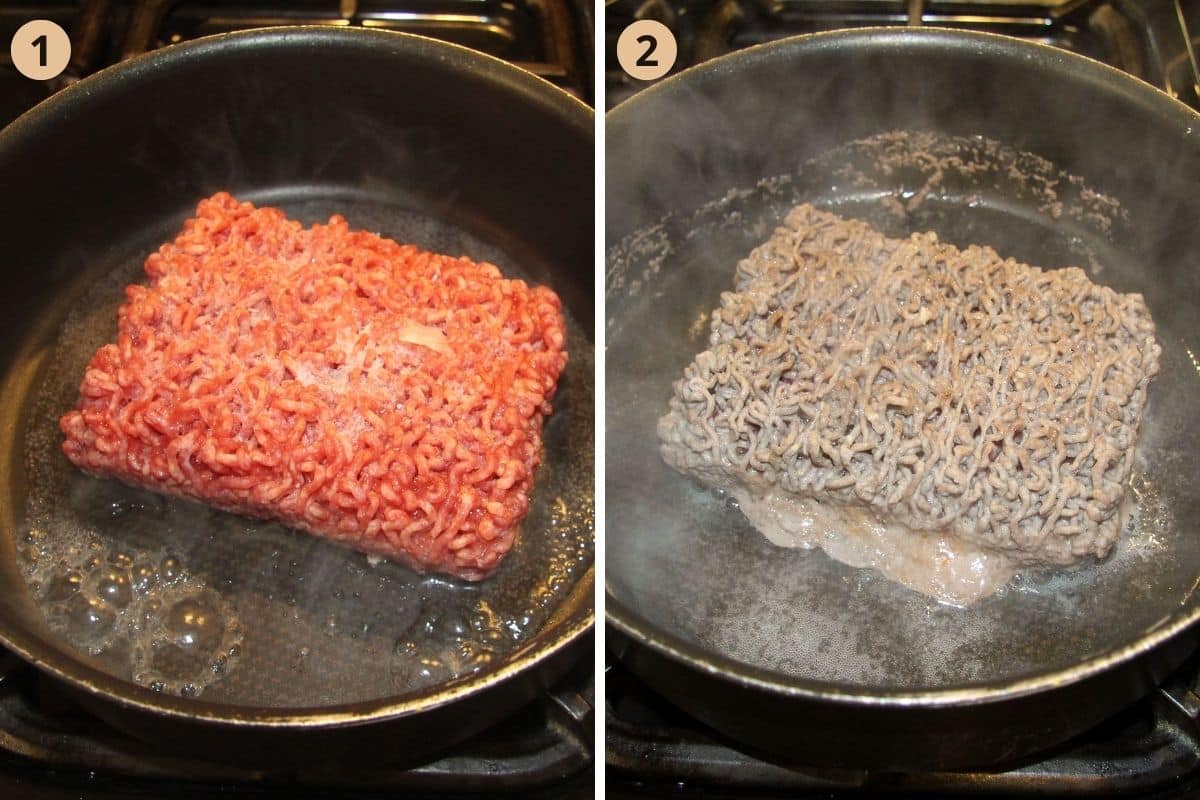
(308, 623)
(686, 562)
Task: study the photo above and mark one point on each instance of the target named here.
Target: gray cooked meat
(934, 412)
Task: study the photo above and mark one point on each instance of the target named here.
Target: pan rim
(1048, 55)
(750, 677)
(129, 695)
(543, 646)
(645, 633)
(533, 87)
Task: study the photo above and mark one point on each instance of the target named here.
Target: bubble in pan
(688, 562)
(181, 598)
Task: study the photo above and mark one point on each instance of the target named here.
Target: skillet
(259, 644)
(1047, 156)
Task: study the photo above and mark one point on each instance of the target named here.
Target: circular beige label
(40, 49)
(646, 50)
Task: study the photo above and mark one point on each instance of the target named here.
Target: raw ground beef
(369, 392)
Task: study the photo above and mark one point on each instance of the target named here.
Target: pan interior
(686, 562)
(250, 613)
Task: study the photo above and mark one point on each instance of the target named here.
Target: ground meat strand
(375, 394)
(947, 390)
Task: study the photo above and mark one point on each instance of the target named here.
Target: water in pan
(185, 599)
(688, 560)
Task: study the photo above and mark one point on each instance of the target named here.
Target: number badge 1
(646, 50)
(40, 49)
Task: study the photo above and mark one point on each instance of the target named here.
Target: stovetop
(51, 748)
(1150, 750)
(1146, 38)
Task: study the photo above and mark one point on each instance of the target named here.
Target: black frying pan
(1050, 158)
(271, 645)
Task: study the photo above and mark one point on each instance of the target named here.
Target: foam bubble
(103, 600)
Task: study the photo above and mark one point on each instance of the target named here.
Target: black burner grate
(1149, 750)
(544, 750)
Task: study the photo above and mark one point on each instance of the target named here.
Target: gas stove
(50, 747)
(1155, 40)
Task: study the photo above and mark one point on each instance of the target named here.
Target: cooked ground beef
(948, 394)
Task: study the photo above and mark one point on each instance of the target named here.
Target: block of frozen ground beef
(944, 415)
(374, 394)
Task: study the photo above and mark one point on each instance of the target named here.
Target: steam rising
(687, 562)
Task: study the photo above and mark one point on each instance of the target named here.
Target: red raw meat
(372, 393)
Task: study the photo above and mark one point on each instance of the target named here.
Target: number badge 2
(646, 50)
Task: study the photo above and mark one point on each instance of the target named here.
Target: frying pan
(1046, 156)
(264, 645)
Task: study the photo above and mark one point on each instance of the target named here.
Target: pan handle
(1183, 699)
(1182, 695)
(571, 713)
